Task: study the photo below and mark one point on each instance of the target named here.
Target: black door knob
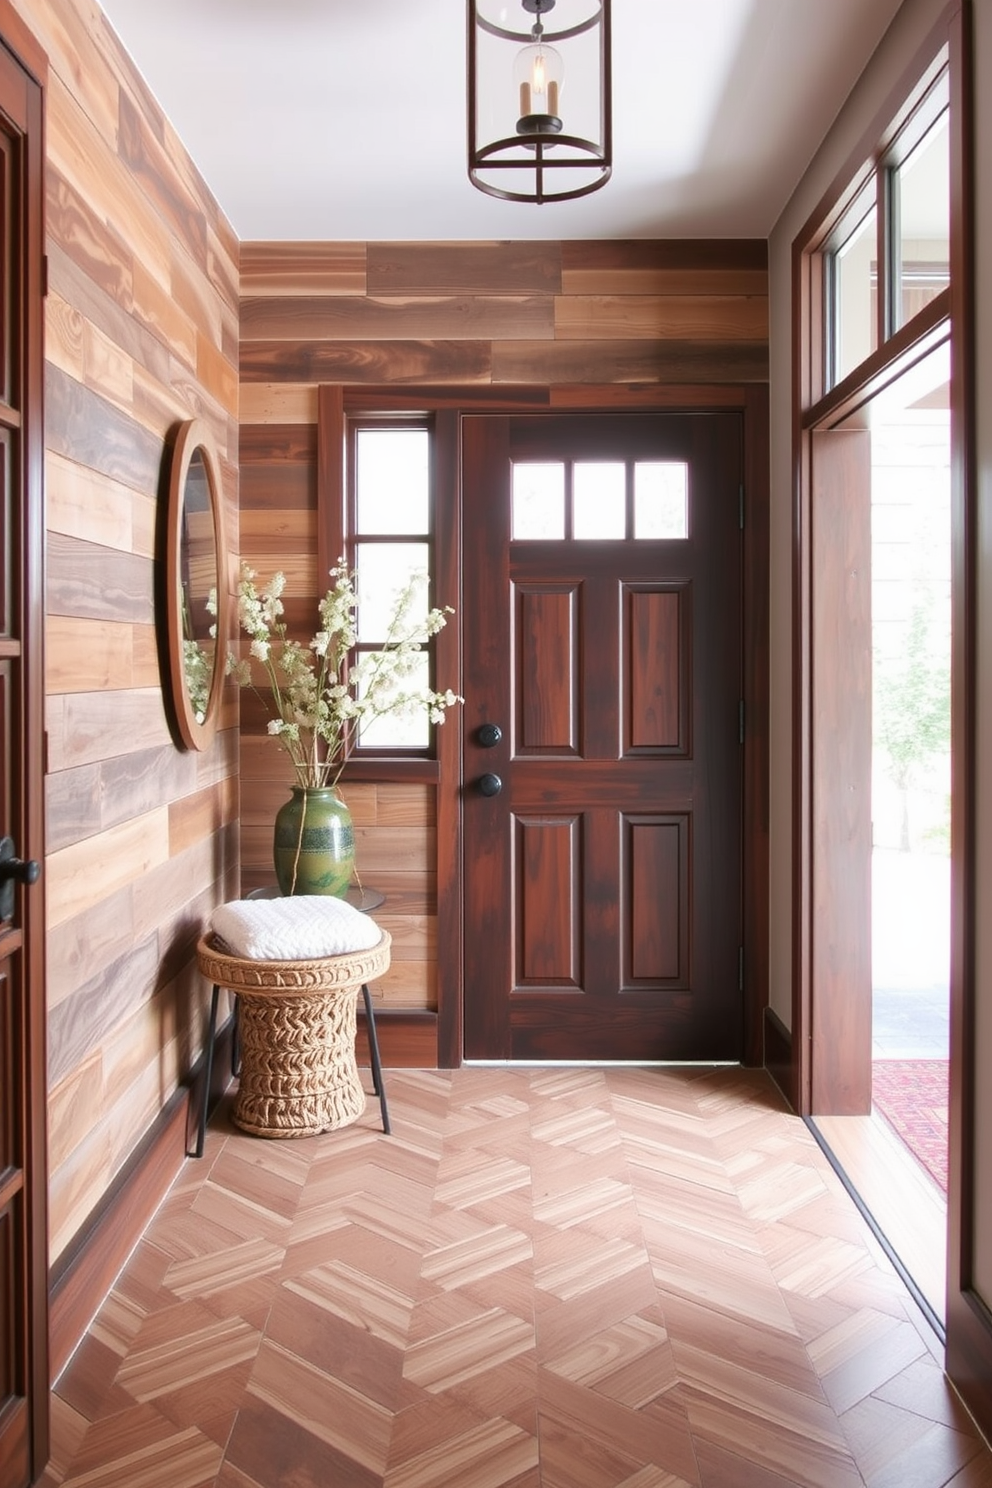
(489, 735)
(490, 785)
(13, 870)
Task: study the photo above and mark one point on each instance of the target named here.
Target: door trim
(448, 406)
(31, 58)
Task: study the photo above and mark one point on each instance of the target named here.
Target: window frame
(830, 226)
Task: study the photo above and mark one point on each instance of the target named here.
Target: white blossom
(320, 693)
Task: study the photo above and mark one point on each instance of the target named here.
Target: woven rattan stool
(296, 1033)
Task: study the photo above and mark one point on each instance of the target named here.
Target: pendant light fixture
(539, 98)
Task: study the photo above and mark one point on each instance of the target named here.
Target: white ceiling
(345, 119)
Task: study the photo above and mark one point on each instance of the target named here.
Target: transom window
(886, 255)
(599, 500)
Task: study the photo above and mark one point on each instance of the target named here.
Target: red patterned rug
(912, 1096)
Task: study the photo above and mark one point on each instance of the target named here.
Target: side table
(296, 1033)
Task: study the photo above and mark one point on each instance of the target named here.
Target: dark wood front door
(602, 624)
(23, 1239)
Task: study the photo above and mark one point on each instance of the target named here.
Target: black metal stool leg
(208, 1072)
(378, 1084)
(235, 1038)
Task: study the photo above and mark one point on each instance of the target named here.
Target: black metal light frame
(551, 157)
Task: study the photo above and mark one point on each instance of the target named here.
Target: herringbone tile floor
(560, 1278)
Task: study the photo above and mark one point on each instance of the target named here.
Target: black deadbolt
(490, 785)
(13, 870)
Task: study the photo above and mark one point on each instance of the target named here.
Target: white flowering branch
(321, 701)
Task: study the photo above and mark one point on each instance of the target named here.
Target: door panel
(603, 880)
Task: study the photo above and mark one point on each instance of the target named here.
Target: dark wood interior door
(603, 824)
(23, 1238)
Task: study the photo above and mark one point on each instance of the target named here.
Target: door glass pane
(538, 501)
(384, 571)
(923, 195)
(661, 499)
(401, 730)
(392, 480)
(855, 278)
(599, 501)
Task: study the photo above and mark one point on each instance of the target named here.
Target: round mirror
(196, 588)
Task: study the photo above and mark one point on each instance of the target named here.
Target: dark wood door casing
(23, 1158)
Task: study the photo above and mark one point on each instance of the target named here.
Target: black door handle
(489, 735)
(13, 870)
(490, 785)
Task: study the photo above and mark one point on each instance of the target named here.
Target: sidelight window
(390, 541)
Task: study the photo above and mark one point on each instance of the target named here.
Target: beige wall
(983, 888)
(141, 332)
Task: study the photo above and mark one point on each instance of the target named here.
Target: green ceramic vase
(314, 846)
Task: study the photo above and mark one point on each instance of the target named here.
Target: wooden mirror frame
(193, 438)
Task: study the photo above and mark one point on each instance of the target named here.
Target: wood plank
(146, 160)
(87, 297)
(428, 361)
(289, 442)
(282, 489)
(74, 1107)
(464, 268)
(84, 655)
(83, 874)
(81, 948)
(83, 801)
(217, 375)
(97, 250)
(86, 428)
(80, 57)
(269, 268)
(80, 153)
(155, 308)
(628, 361)
(86, 579)
(659, 396)
(404, 805)
(79, 725)
(194, 817)
(623, 280)
(267, 524)
(698, 254)
(193, 293)
(491, 317)
(697, 318)
(64, 337)
(279, 403)
(170, 887)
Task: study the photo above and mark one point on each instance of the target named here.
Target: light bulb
(538, 72)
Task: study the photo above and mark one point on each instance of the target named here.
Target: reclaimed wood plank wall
(142, 839)
(561, 324)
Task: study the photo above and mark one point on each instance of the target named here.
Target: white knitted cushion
(301, 927)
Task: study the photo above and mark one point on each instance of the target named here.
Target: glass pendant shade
(538, 74)
(532, 135)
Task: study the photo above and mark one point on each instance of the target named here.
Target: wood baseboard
(406, 1040)
(85, 1272)
(778, 1055)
